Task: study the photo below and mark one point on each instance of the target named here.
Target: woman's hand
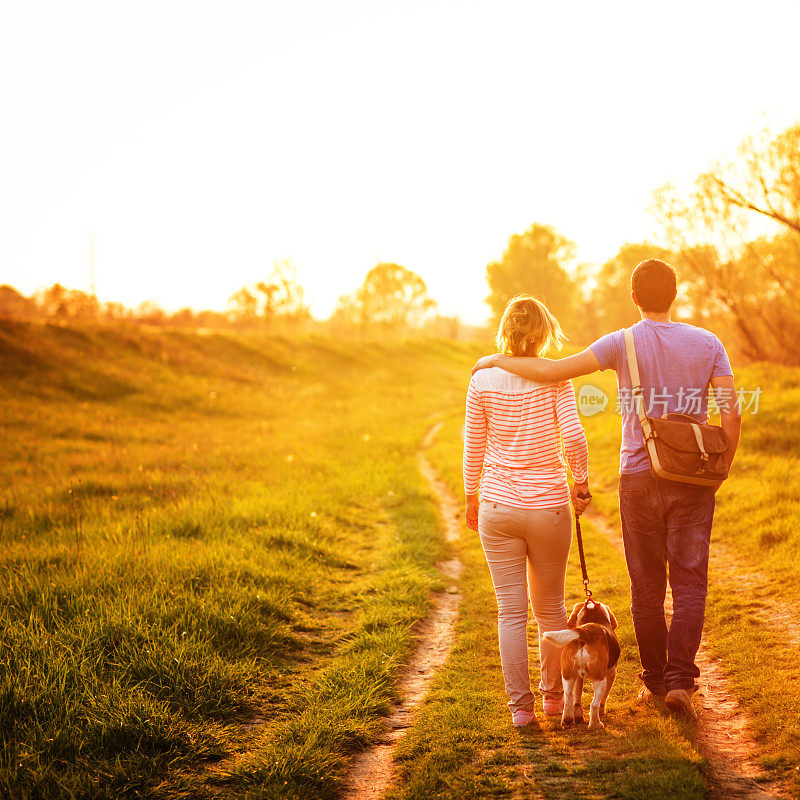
(473, 503)
(581, 497)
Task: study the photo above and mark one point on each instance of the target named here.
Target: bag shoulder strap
(633, 368)
(633, 364)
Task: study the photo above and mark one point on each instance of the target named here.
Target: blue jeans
(666, 523)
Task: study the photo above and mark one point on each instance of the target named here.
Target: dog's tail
(561, 637)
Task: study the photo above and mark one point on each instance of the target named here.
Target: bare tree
(764, 179)
(279, 296)
(283, 296)
(243, 305)
(738, 234)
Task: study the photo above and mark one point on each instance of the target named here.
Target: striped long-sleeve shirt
(512, 440)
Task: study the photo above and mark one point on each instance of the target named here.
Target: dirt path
(733, 771)
(372, 770)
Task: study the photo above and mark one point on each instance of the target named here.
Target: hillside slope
(201, 529)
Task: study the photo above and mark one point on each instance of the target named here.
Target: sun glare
(199, 150)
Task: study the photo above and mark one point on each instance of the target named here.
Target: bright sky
(200, 141)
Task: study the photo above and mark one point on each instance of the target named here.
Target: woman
(512, 452)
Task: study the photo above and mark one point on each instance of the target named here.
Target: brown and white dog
(590, 650)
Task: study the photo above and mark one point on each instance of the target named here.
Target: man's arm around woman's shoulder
(542, 370)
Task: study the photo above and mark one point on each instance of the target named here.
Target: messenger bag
(679, 448)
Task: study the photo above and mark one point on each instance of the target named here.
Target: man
(663, 523)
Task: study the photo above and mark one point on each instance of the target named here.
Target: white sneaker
(522, 718)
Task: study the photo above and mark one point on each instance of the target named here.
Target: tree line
(391, 300)
(733, 237)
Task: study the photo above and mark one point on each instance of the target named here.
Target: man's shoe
(679, 702)
(521, 718)
(647, 696)
(553, 706)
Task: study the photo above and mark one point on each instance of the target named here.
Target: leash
(582, 496)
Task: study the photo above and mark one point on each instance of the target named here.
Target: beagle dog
(590, 650)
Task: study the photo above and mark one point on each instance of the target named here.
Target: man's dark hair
(654, 285)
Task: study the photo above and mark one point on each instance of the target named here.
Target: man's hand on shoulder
(543, 370)
(485, 362)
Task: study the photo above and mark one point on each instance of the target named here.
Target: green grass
(200, 530)
(758, 522)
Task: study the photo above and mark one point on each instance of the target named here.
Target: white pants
(526, 550)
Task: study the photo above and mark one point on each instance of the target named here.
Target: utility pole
(92, 284)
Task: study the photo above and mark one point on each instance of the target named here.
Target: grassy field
(199, 531)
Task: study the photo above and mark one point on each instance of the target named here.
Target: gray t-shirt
(676, 364)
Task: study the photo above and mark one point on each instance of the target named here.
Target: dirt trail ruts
(372, 770)
(733, 770)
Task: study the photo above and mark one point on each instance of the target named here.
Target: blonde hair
(527, 328)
